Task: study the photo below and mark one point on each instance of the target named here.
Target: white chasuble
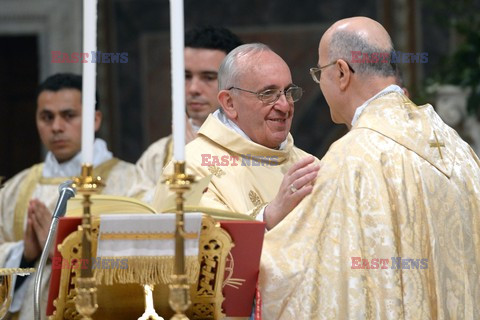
(391, 229)
(245, 175)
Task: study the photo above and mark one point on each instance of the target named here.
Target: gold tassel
(142, 270)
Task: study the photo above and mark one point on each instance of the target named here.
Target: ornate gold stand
(86, 299)
(6, 286)
(179, 298)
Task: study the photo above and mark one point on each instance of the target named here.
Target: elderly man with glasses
(246, 145)
(391, 229)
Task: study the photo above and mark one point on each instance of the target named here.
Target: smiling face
(265, 124)
(201, 85)
(59, 122)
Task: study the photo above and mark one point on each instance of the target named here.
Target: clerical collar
(194, 126)
(72, 167)
(359, 110)
(222, 117)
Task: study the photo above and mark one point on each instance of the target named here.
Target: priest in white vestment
(205, 48)
(246, 145)
(28, 199)
(392, 227)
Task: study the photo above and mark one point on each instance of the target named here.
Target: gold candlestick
(86, 299)
(179, 298)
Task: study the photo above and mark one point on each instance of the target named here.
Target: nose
(282, 104)
(58, 124)
(193, 85)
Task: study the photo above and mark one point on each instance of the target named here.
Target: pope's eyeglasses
(270, 96)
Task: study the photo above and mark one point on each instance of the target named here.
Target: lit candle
(178, 79)
(88, 81)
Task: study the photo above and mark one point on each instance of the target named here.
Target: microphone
(66, 192)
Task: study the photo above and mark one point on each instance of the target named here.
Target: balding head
(369, 30)
(362, 35)
(345, 80)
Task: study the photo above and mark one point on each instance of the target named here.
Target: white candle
(178, 79)
(89, 79)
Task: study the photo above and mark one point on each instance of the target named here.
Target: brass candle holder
(179, 298)
(86, 299)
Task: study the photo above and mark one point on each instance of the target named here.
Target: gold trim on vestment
(255, 198)
(168, 151)
(24, 196)
(35, 177)
(257, 210)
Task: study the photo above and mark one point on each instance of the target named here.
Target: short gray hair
(230, 71)
(344, 43)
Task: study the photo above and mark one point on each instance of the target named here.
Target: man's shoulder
(115, 167)
(36, 169)
(300, 153)
(158, 146)
(121, 164)
(202, 144)
(357, 143)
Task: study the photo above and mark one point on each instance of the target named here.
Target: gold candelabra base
(179, 298)
(86, 299)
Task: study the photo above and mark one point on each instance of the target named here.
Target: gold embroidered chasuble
(403, 185)
(29, 184)
(245, 175)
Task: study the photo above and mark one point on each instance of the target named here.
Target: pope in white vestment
(391, 229)
(41, 181)
(245, 175)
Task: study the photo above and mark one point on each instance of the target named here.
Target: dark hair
(61, 81)
(210, 37)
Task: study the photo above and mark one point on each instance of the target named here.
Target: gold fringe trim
(16, 271)
(144, 270)
(144, 236)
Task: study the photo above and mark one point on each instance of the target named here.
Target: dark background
(135, 96)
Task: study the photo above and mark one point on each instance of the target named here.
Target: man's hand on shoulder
(296, 185)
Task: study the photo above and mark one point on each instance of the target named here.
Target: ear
(98, 120)
(345, 74)
(226, 101)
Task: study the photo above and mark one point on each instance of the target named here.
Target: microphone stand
(66, 192)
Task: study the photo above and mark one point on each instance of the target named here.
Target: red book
(248, 239)
(66, 225)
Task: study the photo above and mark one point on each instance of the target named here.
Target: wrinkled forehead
(263, 64)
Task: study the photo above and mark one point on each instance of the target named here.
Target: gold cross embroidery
(437, 144)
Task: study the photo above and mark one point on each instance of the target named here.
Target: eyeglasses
(317, 71)
(270, 96)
